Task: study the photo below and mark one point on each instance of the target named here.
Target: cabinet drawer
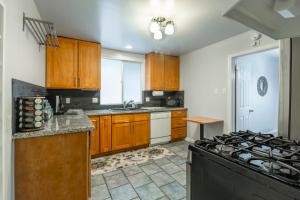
(179, 113)
(130, 118)
(121, 118)
(178, 122)
(141, 117)
(178, 133)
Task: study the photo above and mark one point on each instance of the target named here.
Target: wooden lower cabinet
(95, 135)
(141, 132)
(178, 125)
(130, 130)
(121, 136)
(105, 134)
(52, 167)
(178, 133)
(114, 133)
(101, 135)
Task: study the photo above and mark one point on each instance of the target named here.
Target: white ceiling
(117, 23)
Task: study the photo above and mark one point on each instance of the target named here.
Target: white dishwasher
(160, 127)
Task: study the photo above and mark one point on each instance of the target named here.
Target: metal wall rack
(43, 31)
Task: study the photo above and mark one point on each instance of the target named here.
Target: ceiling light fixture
(159, 25)
(154, 27)
(128, 47)
(169, 30)
(157, 35)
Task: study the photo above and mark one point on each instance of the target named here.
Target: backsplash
(23, 89)
(168, 99)
(84, 99)
(78, 98)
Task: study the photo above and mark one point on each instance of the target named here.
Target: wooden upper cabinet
(155, 71)
(89, 65)
(62, 65)
(95, 137)
(162, 72)
(73, 65)
(171, 73)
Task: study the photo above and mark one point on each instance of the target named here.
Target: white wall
(1, 93)
(265, 116)
(22, 60)
(204, 78)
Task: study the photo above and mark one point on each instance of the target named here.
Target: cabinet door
(178, 122)
(64, 172)
(141, 132)
(89, 65)
(171, 73)
(94, 146)
(105, 134)
(155, 71)
(121, 136)
(178, 133)
(62, 65)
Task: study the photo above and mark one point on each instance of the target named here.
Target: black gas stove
(269, 166)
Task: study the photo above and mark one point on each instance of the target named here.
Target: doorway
(257, 92)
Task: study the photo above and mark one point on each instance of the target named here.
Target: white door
(243, 108)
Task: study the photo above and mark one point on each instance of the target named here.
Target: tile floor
(161, 179)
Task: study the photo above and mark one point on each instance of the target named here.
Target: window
(120, 81)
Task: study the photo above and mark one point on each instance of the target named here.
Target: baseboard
(190, 140)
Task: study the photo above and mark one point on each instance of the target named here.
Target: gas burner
(224, 149)
(270, 166)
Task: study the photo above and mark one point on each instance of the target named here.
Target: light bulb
(158, 35)
(169, 30)
(154, 27)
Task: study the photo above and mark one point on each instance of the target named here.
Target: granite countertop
(64, 124)
(143, 110)
(60, 124)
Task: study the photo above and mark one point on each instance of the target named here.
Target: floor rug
(121, 160)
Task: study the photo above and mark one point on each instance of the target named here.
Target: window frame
(126, 57)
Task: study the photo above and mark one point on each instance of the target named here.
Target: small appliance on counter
(30, 112)
(59, 106)
(174, 102)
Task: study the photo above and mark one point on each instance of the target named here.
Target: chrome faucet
(126, 104)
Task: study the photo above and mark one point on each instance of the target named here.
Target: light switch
(147, 99)
(68, 100)
(94, 100)
(224, 91)
(216, 91)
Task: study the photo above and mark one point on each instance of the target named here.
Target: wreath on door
(262, 86)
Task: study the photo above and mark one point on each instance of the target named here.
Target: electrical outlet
(147, 99)
(68, 100)
(95, 100)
